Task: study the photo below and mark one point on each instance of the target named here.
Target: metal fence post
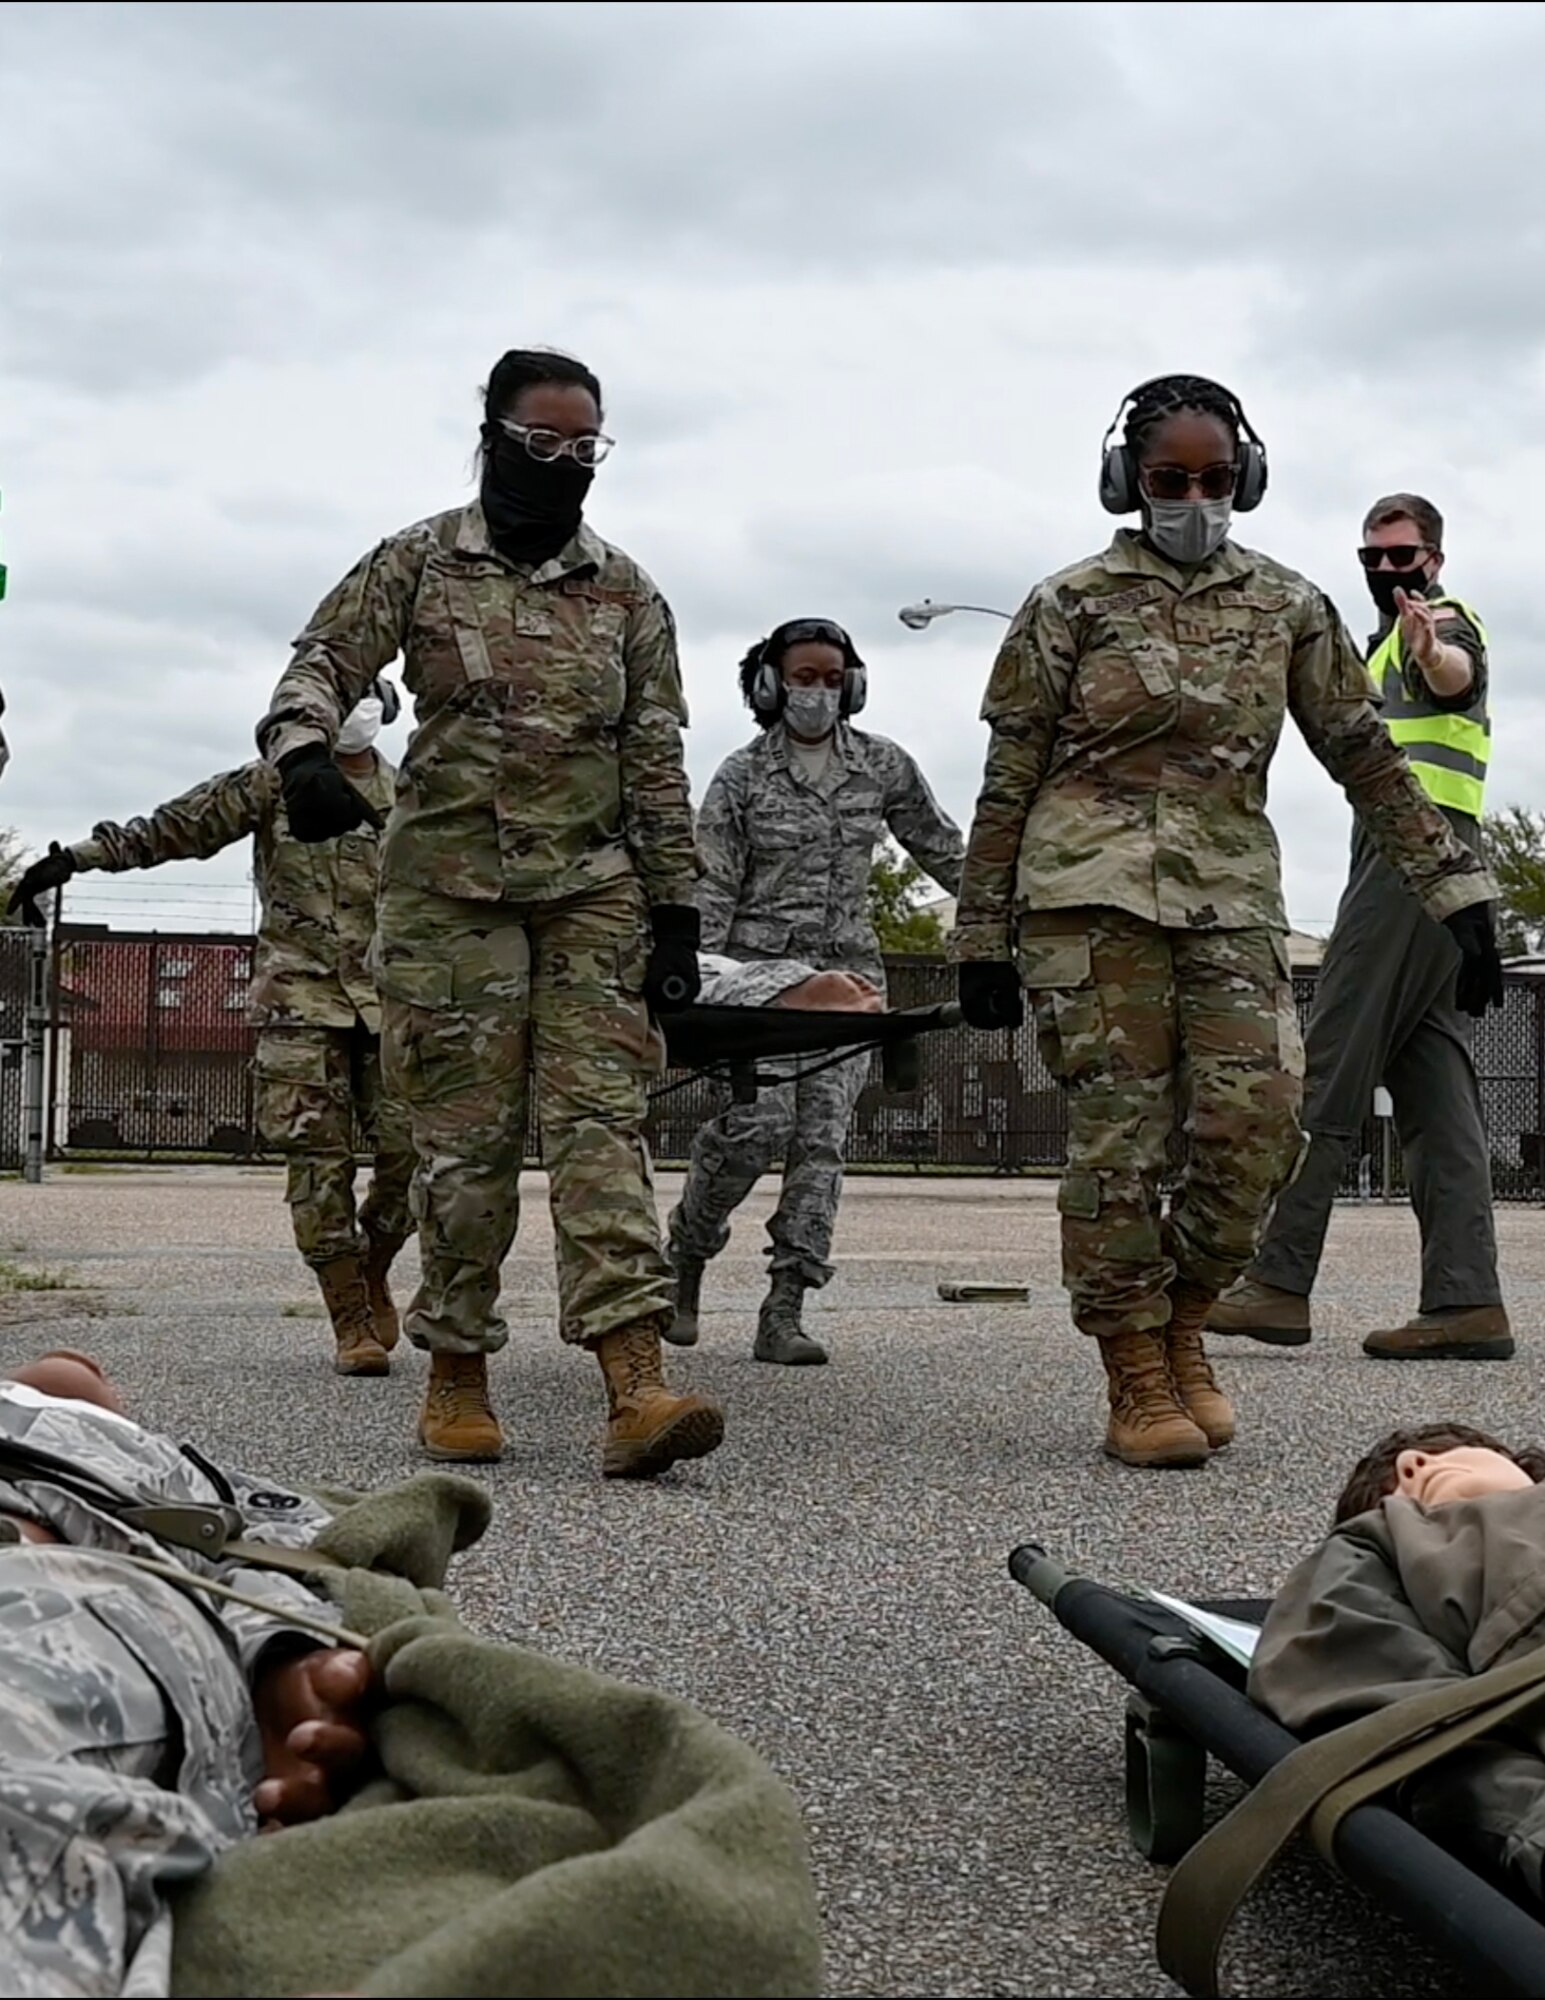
(35, 1086)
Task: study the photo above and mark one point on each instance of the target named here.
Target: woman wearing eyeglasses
(535, 897)
(1121, 868)
(788, 831)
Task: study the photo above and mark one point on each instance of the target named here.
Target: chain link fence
(152, 1057)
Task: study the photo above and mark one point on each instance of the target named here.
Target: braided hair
(1167, 397)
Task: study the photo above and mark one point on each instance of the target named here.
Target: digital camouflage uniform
(786, 861)
(312, 998)
(1121, 850)
(129, 1749)
(542, 808)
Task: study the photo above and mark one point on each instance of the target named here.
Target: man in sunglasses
(1386, 1009)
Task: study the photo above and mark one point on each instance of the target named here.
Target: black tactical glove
(990, 994)
(672, 980)
(1474, 930)
(319, 801)
(50, 871)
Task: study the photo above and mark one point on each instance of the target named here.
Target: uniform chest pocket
(1248, 638)
(585, 648)
(1141, 645)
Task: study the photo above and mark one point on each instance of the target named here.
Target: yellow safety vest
(1448, 754)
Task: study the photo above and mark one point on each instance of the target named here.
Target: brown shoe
(649, 1428)
(1147, 1426)
(1196, 1388)
(1473, 1333)
(1262, 1312)
(458, 1420)
(379, 1253)
(348, 1307)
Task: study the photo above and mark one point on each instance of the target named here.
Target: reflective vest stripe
(1448, 753)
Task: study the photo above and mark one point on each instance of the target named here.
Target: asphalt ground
(832, 1584)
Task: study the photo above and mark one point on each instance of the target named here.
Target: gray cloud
(863, 283)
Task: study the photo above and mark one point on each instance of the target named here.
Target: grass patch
(14, 1279)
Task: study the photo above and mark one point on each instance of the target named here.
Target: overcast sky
(863, 283)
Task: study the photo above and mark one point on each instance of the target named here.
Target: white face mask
(361, 726)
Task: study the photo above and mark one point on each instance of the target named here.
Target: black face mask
(1383, 583)
(533, 508)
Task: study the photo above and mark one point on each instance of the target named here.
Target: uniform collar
(583, 551)
(847, 750)
(1130, 555)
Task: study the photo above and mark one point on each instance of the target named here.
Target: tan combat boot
(348, 1307)
(458, 1421)
(649, 1428)
(1196, 1389)
(1147, 1425)
(379, 1253)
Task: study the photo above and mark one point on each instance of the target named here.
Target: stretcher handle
(1030, 1565)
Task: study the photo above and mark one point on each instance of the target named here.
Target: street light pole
(917, 617)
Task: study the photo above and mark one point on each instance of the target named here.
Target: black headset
(385, 692)
(768, 693)
(1119, 491)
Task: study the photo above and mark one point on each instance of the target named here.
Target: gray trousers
(804, 1123)
(1385, 1013)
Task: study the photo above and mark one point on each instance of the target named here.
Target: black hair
(528, 368)
(1167, 397)
(776, 644)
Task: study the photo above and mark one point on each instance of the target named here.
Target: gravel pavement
(833, 1584)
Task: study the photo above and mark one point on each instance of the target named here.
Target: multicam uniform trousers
(1151, 1032)
(482, 1002)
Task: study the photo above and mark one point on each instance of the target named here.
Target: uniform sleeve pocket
(1054, 962)
(769, 939)
(1282, 954)
(417, 983)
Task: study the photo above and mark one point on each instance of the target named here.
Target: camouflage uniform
(786, 876)
(542, 807)
(312, 997)
(1121, 846)
(129, 1749)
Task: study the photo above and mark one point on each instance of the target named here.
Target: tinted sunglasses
(1174, 482)
(1402, 554)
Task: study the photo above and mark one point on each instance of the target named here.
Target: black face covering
(1383, 583)
(532, 508)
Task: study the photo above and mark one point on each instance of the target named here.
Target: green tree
(1515, 849)
(896, 884)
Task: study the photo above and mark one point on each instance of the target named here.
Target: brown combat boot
(649, 1428)
(348, 1307)
(1196, 1389)
(1470, 1333)
(1262, 1312)
(1147, 1425)
(379, 1253)
(458, 1421)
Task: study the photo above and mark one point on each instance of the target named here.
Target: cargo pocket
(417, 1019)
(1078, 1195)
(1290, 1037)
(294, 1093)
(1057, 971)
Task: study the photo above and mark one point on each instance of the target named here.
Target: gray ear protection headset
(767, 690)
(1119, 493)
(385, 692)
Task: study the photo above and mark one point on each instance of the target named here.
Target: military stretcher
(1188, 1702)
(730, 1043)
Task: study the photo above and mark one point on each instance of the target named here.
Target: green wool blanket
(534, 1828)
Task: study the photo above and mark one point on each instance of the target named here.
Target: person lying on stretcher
(785, 982)
(1434, 1571)
(145, 1726)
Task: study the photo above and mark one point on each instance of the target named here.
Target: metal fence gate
(152, 1056)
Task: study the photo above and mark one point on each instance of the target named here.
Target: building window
(235, 1003)
(176, 968)
(169, 996)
